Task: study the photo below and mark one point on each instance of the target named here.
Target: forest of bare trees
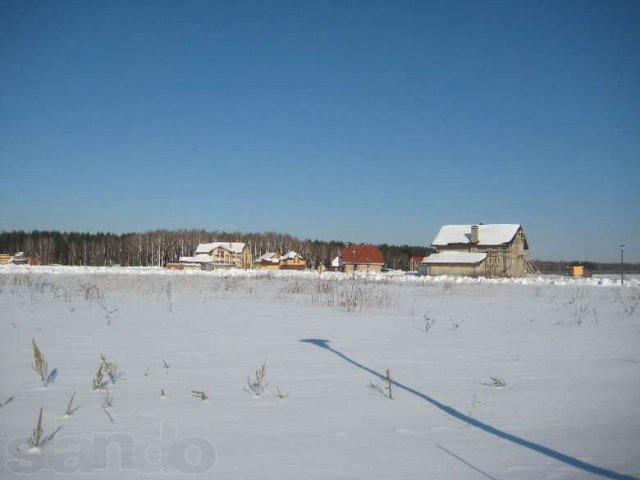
(158, 247)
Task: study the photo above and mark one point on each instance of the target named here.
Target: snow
(273, 257)
(490, 234)
(291, 255)
(454, 257)
(198, 258)
(270, 257)
(233, 247)
(567, 348)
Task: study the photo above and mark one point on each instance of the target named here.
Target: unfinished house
(494, 250)
(215, 255)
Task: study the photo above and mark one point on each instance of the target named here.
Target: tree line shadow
(536, 447)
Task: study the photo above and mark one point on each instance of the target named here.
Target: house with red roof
(365, 258)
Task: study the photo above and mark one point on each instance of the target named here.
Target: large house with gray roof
(493, 250)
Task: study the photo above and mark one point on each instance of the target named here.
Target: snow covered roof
(270, 257)
(233, 247)
(291, 255)
(203, 258)
(198, 258)
(491, 234)
(454, 257)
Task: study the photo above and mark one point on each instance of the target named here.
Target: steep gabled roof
(233, 247)
(291, 255)
(362, 254)
(490, 234)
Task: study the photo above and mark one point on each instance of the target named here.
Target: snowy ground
(568, 350)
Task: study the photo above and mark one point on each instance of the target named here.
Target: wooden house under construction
(495, 250)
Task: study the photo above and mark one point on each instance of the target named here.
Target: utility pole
(621, 264)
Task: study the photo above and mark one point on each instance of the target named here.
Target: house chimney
(474, 233)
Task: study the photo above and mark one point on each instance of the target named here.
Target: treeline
(547, 266)
(156, 248)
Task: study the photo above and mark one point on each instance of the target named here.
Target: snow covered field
(568, 351)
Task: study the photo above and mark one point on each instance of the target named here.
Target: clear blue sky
(364, 121)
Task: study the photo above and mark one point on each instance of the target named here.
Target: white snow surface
(454, 257)
(490, 234)
(271, 257)
(199, 258)
(291, 255)
(568, 350)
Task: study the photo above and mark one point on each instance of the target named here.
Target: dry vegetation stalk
(259, 384)
(35, 440)
(39, 363)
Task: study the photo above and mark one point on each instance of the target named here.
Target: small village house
(26, 258)
(292, 261)
(359, 258)
(337, 265)
(210, 256)
(273, 261)
(493, 250)
(267, 261)
(578, 271)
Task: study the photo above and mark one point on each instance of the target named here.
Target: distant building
(494, 250)
(26, 258)
(578, 271)
(183, 266)
(268, 261)
(220, 255)
(292, 261)
(414, 263)
(359, 258)
(273, 261)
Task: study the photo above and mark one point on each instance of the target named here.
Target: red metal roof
(362, 254)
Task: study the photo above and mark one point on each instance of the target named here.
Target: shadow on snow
(574, 462)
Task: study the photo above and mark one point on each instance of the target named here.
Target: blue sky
(363, 121)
